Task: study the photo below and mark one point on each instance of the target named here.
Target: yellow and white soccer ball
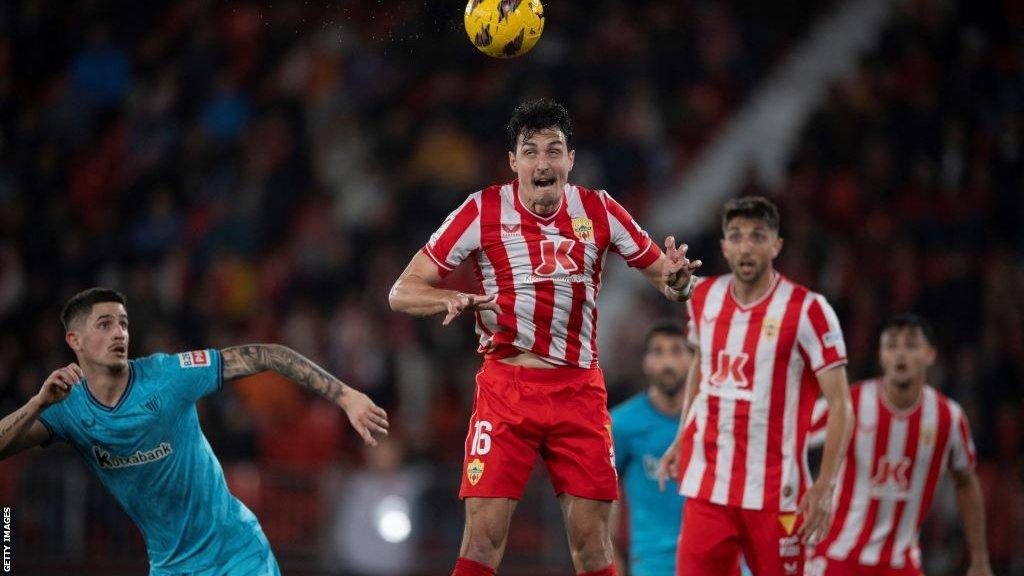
(504, 28)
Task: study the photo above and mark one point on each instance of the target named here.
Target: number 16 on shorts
(481, 443)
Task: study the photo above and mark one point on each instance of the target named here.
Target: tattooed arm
(21, 429)
(248, 359)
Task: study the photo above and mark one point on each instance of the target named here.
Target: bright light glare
(393, 522)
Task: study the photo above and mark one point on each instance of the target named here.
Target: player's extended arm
(668, 466)
(416, 293)
(816, 505)
(248, 359)
(21, 429)
(972, 513)
(672, 272)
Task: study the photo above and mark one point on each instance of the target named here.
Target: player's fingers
(378, 420)
(694, 264)
(368, 438)
(77, 370)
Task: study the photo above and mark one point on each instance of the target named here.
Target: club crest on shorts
(474, 471)
(787, 521)
(583, 228)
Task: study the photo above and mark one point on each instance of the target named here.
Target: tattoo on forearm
(10, 426)
(248, 359)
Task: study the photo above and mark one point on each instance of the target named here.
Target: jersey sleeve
(195, 374)
(961, 446)
(456, 238)
(53, 419)
(820, 335)
(628, 238)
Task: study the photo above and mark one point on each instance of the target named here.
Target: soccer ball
(504, 28)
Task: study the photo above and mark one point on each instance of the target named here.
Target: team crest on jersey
(583, 228)
(474, 471)
(194, 359)
(770, 328)
(928, 435)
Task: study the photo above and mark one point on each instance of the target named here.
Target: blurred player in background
(643, 427)
(135, 423)
(537, 245)
(765, 346)
(906, 435)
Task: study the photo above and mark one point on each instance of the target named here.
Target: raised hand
(460, 302)
(678, 268)
(58, 384)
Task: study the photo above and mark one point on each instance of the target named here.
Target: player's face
(750, 246)
(102, 338)
(905, 356)
(666, 363)
(542, 162)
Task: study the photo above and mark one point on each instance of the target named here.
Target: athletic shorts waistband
(553, 375)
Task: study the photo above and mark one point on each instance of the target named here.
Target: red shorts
(559, 413)
(713, 537)
(822, 566)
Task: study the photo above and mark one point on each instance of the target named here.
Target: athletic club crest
(475, 471)
(583, 228)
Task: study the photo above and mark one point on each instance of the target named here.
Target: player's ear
(777, 247)
(572, 159)
(512, 160)
(73, 340)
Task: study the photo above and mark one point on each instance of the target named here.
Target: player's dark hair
(81, 304)
(665, 328)
(533, 116)
(752, 207)
(908, 320)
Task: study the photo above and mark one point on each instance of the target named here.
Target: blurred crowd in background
(263, 171)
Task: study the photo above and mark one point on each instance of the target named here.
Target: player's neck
(669, 405)
(749, 292)
(901, 398)
(105, 384)
(539, 206)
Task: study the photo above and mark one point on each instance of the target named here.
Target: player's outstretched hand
(58, 384)
(668, 466)
(367, 418)
(460, 302)
(816, 508)
(678, 268)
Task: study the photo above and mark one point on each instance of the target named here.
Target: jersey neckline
(124, 395)
(776, 280)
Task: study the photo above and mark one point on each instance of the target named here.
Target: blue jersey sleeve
(194, 374)
(53, 419)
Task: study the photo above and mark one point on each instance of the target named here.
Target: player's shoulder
(162, 362)
(630, 411)
(859, 387)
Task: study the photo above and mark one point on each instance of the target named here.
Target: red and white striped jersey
(546, 271)
(744, 436)
(890, 474)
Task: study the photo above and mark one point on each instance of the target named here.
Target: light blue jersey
(151, 454)
(642, 434)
